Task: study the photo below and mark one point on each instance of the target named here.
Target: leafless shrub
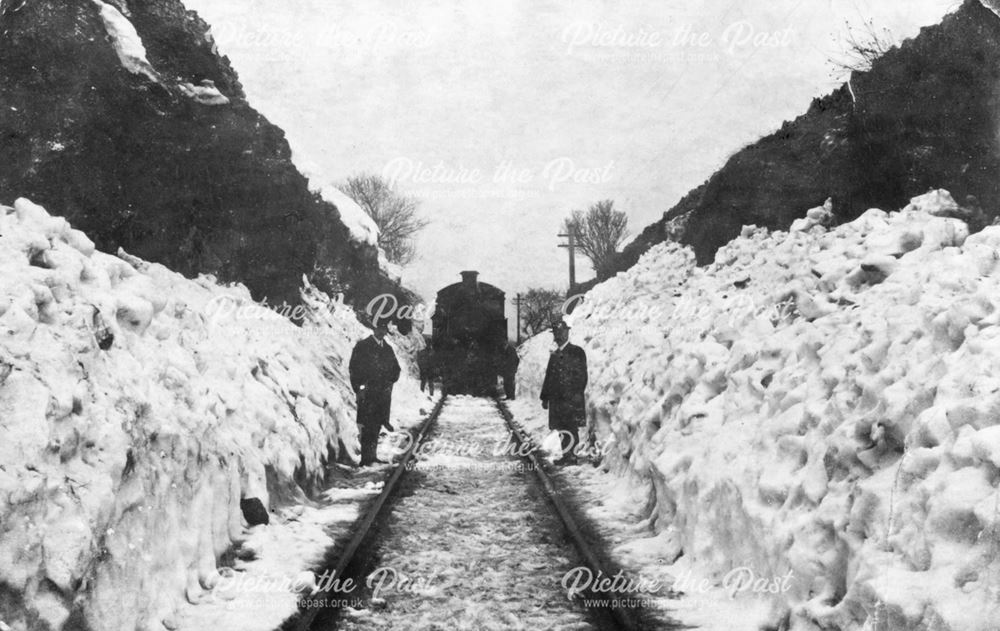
(394, 213)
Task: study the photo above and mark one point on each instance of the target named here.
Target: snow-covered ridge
(132, 422)
(992, 5)
(132, 55)
(362, 227)
(126, 41)
(833, 410)
(206, 93)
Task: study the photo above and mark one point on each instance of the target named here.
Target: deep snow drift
(820, 401)
(137, 408)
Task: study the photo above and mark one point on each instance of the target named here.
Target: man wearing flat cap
(373, 370)
(562, 391)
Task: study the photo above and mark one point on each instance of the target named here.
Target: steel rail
(622, 617)
(619, 618)
(303, 620)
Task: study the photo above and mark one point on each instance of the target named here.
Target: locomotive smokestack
(470, 281)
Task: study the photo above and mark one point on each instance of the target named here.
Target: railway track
(470, 531)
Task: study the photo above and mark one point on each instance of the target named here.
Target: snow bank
(825, 402)
(137, 408)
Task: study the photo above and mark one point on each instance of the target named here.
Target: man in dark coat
(427, 366)
(509, 362)
(562, 391)
(373, 370)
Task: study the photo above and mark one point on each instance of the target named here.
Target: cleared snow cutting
(829, 428)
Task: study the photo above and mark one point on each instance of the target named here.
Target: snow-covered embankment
(820, 401)
(137, 408)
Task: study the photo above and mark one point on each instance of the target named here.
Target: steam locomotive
(469, 335)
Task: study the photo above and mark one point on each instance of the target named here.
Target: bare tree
(599, 232)
(394, 213)
(862, 46)
(539, 308)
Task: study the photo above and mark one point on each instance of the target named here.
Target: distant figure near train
(508, 364)
(373, 370)
(562, 391)
(427, 365)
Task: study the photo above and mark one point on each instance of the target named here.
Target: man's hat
(560, 324)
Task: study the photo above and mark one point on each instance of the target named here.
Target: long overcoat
(565, 380)
(373, 369)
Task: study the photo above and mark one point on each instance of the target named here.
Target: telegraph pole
(572, 257)
(517, 301)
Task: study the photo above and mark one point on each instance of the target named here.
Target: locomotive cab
(469, 335)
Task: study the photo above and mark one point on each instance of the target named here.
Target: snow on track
(472, 541)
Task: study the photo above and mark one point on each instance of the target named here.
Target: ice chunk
(986, 445)
(30, 212)
(80, 242)
(818, 216)
(942, 232)
(951, 510)
(938, 203)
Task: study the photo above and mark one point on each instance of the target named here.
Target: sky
(503, 117)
